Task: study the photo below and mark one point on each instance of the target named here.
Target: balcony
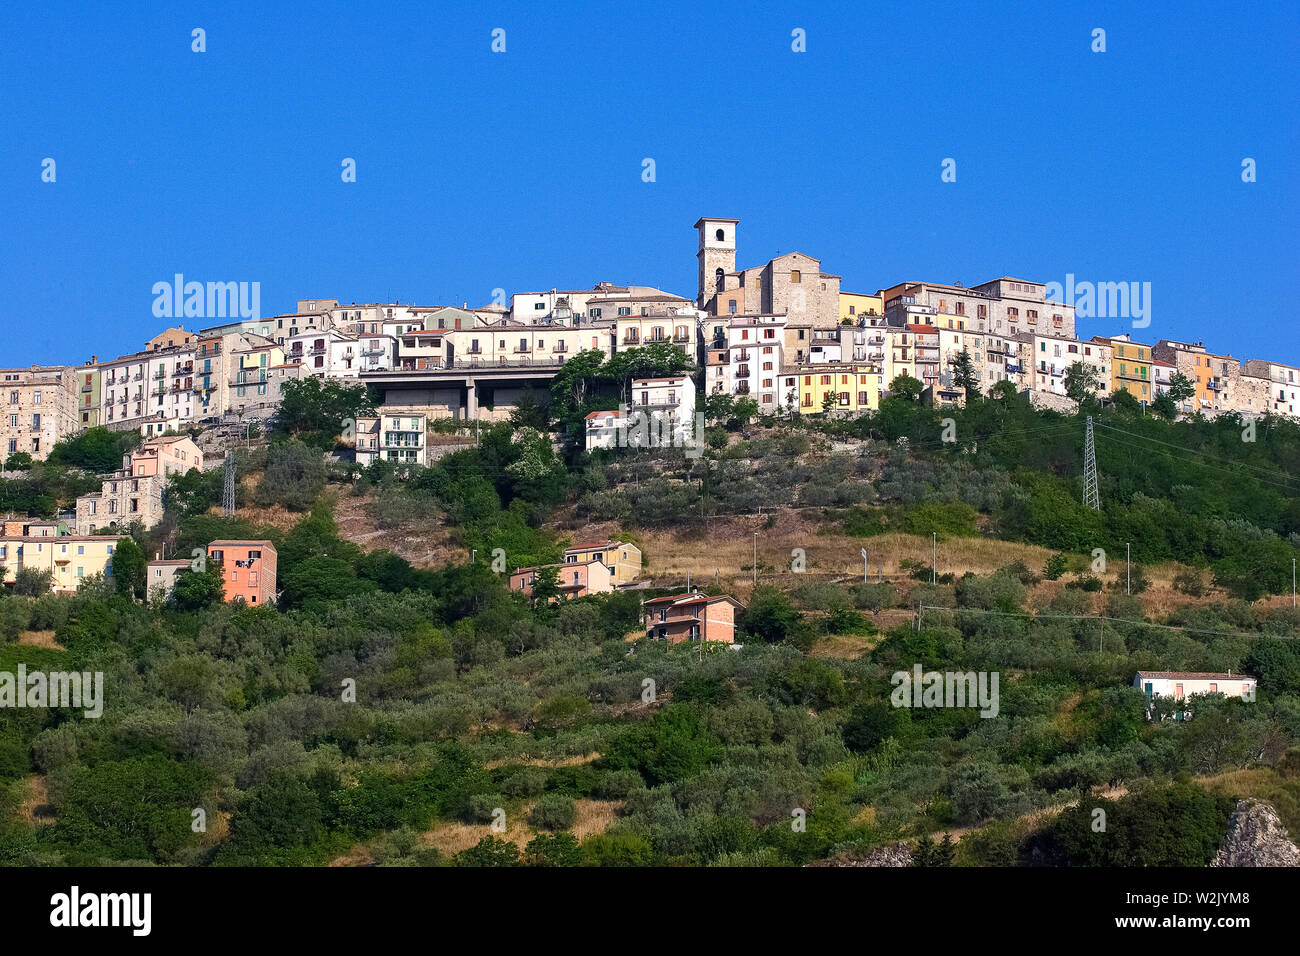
(742, 371)
(681, 337)
(502, 363)
(631, 339)
(742, 388)
(560, 349)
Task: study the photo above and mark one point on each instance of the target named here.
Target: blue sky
(522, 170)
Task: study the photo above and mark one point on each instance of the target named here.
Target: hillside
(473, 705)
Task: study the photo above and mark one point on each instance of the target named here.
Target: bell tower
(717, 255)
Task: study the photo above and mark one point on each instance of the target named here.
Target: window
(36, 396)
(731, 306)
(795, 276)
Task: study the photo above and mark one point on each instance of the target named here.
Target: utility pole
(1091, 496)
(934, 557)
(864, 565)
(1128, 565)
(755, 559)
(1293, 582)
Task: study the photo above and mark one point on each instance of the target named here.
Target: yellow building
(1130, 367)
(854, 305)
(853, 387)
(70, 559)
(631, 331)
(621, 558)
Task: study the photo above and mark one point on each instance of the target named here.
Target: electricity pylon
(1091, 497)
(228, 494)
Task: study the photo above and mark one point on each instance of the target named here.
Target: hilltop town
(781, 574)
(782, 333)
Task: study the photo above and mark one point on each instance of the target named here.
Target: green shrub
(553, 812)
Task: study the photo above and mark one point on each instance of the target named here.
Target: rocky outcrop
(1256, 837)
(898, 854)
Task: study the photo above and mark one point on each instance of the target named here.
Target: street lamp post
(864, 565)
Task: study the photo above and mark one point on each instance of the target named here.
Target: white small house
(603, 429)
(1181, 685)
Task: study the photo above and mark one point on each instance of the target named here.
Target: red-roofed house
(692, 617)
(603, 428)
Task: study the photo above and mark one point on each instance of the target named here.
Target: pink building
(575, 579)
(692, 617)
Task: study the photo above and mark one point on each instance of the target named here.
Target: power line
(1206, 464)
(1103, 617)
(1287, 476)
